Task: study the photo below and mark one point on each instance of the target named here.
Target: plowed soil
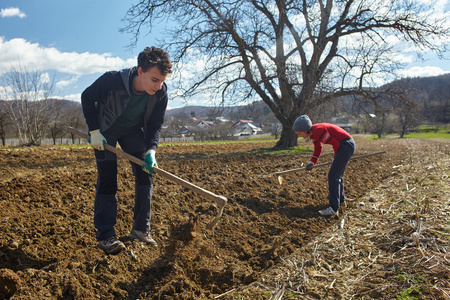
(48, 248)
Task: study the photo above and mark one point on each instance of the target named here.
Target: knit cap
(303, 123)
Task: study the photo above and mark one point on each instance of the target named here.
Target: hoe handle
(328, 163)
(220, 200)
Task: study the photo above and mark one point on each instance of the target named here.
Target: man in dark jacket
(127, 107)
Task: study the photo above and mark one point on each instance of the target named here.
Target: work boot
(111, 245)
(145, 237)
(327, 212)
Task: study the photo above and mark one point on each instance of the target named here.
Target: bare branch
(286, 52)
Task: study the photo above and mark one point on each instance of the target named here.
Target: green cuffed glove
(150, 161)
(97, 141)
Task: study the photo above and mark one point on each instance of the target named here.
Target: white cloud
(427, 71)
(73, 97)
(6, 92)
(12, 12)
(64, 83)
(49, 58)
(44, 78)
(440, 5)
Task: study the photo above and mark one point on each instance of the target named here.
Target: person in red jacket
(343, 146)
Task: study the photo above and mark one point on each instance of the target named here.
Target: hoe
(220, 200)
(280, 179)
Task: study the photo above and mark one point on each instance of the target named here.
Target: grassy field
(421, 132)
(441, 134)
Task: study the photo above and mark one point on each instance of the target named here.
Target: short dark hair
(152, 56)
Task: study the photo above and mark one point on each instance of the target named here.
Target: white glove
(98, 141)
(309, 166)
(150, 161)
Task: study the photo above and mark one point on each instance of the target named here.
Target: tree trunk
(403, 131)
(288, 139)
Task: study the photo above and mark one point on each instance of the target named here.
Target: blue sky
(79, 40)
(75, 40)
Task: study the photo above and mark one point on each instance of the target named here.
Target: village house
(246, 127)
(205, 124)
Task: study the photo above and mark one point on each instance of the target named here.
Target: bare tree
(221, 130)
(168, 132)
(406, 108)
(56, 127)
(292, 54)
(407, 117)
(200, 134)
(181, 119)
(377, 107)
(28, 92)
(5, 121)
(73, 117)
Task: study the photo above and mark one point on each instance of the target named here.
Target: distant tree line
(412, 102)
(29, 113)
(36, 120)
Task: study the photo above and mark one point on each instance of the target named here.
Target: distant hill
(199, 111)
(436, 88)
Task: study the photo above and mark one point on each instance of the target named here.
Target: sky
(77, 41)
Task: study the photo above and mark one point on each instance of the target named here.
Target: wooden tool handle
(328, 163)
(299, 169)
(220, 200)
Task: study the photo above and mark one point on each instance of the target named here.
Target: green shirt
(134, 112)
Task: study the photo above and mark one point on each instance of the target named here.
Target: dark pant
(105, 210)
(337, 169)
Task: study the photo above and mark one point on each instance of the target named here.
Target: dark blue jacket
(105, 100)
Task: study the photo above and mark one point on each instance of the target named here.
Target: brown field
(270, 243)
